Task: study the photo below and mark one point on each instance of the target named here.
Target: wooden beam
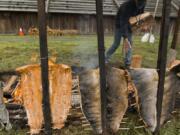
(101, 52)
(176, 7)
(117, 3)
(162, 57)
(11, 81)
(176, 32)
(47, 5)
(44, 66)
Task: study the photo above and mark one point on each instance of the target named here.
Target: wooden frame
(161, 63)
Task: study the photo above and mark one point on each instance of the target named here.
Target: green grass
(81, 51)
(77, 50)
(171, 128)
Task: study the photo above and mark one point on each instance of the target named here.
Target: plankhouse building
(69, 14)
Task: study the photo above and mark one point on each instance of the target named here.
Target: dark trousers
(117, 40)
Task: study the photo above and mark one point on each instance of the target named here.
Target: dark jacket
(128, 9)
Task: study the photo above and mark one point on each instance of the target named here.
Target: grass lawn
(72, 50)
(81, 51)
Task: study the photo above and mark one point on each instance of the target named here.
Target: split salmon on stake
(146, 81)
(29, 93)
(117, 102)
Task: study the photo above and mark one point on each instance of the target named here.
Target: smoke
(84, 58)
(91, 63)
(85, 54)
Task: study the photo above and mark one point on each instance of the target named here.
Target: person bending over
(128, 9)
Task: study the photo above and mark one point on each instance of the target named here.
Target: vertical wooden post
(162, 57)
(101, 51)
(44, 66)
(176, 32)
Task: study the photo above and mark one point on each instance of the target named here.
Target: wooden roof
(76, 6)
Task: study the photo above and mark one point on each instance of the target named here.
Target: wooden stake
(172, 52)
(176, 32)
(101, 51)
(162, 58)
(44, 66)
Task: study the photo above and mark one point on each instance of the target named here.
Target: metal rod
(176, 32)
(162, 57)
(44, 66)
(101, 51)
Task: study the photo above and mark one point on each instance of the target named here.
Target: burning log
(29, 93)
(8, 87)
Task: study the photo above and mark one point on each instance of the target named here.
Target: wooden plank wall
(76, 6)
(10, 22)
